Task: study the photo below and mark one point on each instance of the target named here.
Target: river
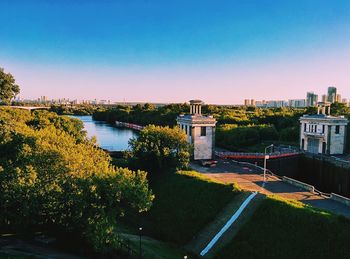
(108, 137)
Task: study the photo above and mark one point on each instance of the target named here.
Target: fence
(124, 247)
(243, 155)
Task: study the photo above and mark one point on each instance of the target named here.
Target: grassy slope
(289, 229)
(185, 203)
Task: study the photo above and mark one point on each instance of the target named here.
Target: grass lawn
(290, 229)
(185, 202)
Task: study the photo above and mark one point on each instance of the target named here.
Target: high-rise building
(43, 99)
(249, 102)
(260, 104)
(324, 98)
(332, 94)
(276, 104)
(297, 103)
(311, 99)
(338, 98)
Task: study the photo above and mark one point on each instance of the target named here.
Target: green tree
(51, 179)
(8, 88)
(338, 109)
(161, 148)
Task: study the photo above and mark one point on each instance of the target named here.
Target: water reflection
(108, 137)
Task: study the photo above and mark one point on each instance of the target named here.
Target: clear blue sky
(219, 51)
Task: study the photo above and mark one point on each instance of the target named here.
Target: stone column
(301, 135)
(193, 134)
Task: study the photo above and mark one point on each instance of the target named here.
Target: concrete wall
(325, 173)
(203, 148)
(299, 184)
(337, 140)
(203, 145)
(340, 198)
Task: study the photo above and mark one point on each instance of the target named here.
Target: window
(186, 129)
(337, 129)
(203, 131)
(190, 131)
(304, 127)
(315, 128)
(323, 128)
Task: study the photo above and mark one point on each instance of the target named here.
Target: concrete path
(250, 180)
(206, 234)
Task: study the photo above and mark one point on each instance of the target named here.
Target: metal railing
(128, 125)
(278, 154)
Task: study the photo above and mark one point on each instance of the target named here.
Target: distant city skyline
(176, 51)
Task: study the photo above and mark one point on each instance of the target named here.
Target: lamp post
(140, 229)
(265, 158)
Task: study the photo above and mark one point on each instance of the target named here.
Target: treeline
(54, 180)
(81, 109)
(142, 114)
(237, 126)
(233, 137)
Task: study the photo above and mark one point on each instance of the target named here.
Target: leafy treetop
(8, 88)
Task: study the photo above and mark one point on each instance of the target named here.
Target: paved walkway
(249, 179)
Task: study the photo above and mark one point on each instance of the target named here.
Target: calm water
(108, 137)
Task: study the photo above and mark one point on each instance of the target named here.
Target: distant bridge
(29, 108)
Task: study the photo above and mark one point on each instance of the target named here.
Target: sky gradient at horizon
(159, 51)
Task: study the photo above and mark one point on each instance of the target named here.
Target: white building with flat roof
(322, 133)
(297, 103)
(200, 130)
